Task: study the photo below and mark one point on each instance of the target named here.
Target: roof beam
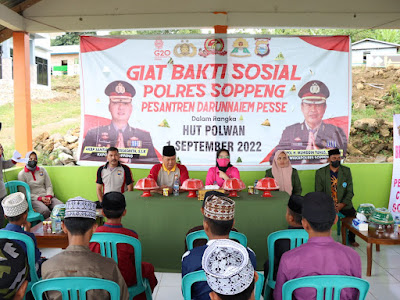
(11, 19)
(5, 34)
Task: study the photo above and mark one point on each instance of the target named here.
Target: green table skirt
(162, 224)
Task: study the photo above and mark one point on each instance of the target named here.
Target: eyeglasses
(223, 156)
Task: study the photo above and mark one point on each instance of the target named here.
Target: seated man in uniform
(165, 173)
(218, 221)
(313, 133)
(321, 255)
(113, 176)
(119, 133)
(77, 260)
(293, 218)
(336, 181)
(229, 271)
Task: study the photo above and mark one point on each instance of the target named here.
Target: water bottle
(255, 184)
(56, 228)
(176, 186)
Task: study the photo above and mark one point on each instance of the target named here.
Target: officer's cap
(120, 91)
(314, 92)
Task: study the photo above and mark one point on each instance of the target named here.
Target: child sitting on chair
(16, 211)
(114, 208)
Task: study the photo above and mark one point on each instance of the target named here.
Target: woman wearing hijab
(286, 176)
(223, 169)
(42, 196)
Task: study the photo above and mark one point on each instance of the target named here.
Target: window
(365, 53)
(64, 63)
(41, 67)
(76, 61)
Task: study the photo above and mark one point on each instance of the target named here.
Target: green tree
(69, 38)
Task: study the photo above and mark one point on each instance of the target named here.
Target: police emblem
(185, 49)
(262, 46)
(314, 88)
(213, 47)
(120, 89)
(158, 44)
(240, 46)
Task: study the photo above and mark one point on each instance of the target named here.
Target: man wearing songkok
(4, 164)
(293, 218)
(114, 208)
(14, 270)
(135, 143)
(16, 211)
(218, 221)
(336, 181)
(321, 255)
(313, 133)
(165, 172)
(42, 195)
(113, 176)
(77, 260)
(229, 271)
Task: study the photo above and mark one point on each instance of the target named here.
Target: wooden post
(220, 29)
(22, 93)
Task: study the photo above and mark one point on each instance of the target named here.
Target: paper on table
(17, 157)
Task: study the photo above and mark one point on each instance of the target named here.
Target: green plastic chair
(189, 279)
(201, 234)
(108, 248)
(74, 288)
(326, 285)
(297, 237)
(33, 216)
(30, 251)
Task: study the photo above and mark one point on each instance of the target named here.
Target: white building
(65, 60)
(39, 61)
(362, 49)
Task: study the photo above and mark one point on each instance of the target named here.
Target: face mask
(32, 164)
(223, 162)
(335, 163)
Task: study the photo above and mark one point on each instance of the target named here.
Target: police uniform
(114, 179)
(327, 136)
(107, 136)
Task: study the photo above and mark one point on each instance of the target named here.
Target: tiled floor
(385, 279)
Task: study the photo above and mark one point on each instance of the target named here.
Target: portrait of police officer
(118, 133)
(313, 133)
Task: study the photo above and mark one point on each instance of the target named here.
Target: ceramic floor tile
(379, 276)
(385, 291)
(395, 273)
(171, 280)
(377, 270)
(387, 260)
(169, 293)
(370, 297)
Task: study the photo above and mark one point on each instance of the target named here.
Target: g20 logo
(162, 53)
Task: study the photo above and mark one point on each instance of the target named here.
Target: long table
(162, 224)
